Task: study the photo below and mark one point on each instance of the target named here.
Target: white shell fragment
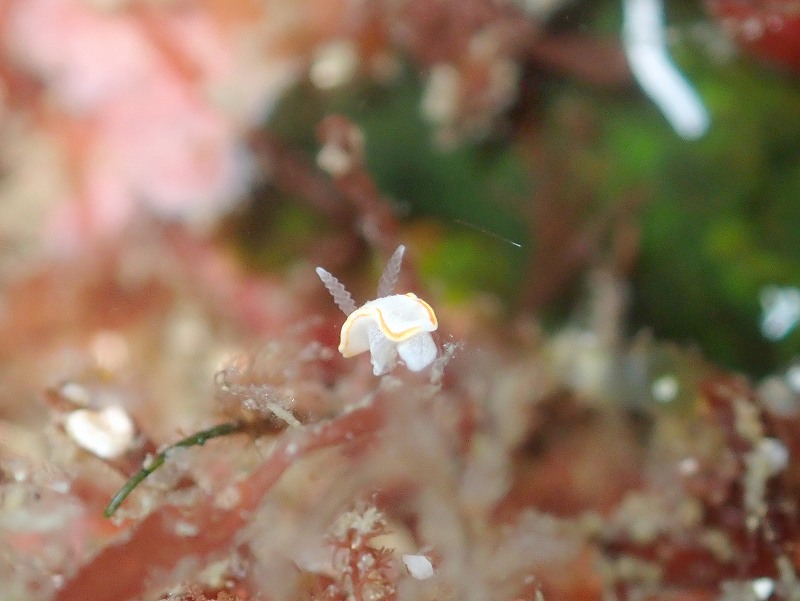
(419, 566)
(108, 433)
(391, 326)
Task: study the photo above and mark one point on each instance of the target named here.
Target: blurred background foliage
(469, 246)
(717, 218)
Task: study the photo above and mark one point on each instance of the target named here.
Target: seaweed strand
(196, 439)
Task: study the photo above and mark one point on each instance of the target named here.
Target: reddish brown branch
(292, 174)
(120, 571)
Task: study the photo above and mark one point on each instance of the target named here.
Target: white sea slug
(392, 325)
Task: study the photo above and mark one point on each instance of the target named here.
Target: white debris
(110, 350)
(775, 453)
(763, 587)
(780, 311)
(186, 529)
(362, 521)
(340, 156)
(768, 458)
(689, 466)
(779, 396)
(419, 566)
(793, 378)
(759, 589)
(75, 393)
(108, 432)
(665, 389)
(334, 160)
(644, 38)
(283, 414)
(442, 95)
(584, 360)
(334, 65)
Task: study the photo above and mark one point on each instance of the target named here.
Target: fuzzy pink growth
(137, 88)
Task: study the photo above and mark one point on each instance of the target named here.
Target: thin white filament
(391, 273)
(340, 295)
(645, 44)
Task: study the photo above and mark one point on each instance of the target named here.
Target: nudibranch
(391, 326)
